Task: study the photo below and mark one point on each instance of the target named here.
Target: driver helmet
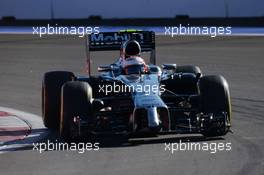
(131, 48)
(134, 65)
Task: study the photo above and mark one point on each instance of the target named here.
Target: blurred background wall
(59, 9)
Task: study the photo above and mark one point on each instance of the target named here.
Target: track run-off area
(25, 58)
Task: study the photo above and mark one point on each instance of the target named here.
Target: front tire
(51, 91)
(215, 99)
(76, 101)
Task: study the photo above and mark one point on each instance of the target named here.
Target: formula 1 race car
(166, 99)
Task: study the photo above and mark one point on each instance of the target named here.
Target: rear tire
(215, 99)
(51, 91)
(188, 69)
(76, 101)
(185, 83)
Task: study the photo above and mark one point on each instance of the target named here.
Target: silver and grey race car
(166, 99)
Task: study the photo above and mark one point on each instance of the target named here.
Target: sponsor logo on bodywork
(114, 37)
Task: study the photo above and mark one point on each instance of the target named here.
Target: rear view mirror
(171, 67)
(154, 69)
(106, 68)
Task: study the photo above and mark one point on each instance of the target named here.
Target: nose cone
(153, 118)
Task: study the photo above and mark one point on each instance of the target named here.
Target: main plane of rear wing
(110, 41)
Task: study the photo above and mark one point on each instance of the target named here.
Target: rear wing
(108, 41)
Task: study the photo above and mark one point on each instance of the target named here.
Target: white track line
(38, 131)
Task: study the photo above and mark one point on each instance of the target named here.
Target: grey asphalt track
(25, 58)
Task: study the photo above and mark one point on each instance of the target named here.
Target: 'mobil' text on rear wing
(106, 41)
